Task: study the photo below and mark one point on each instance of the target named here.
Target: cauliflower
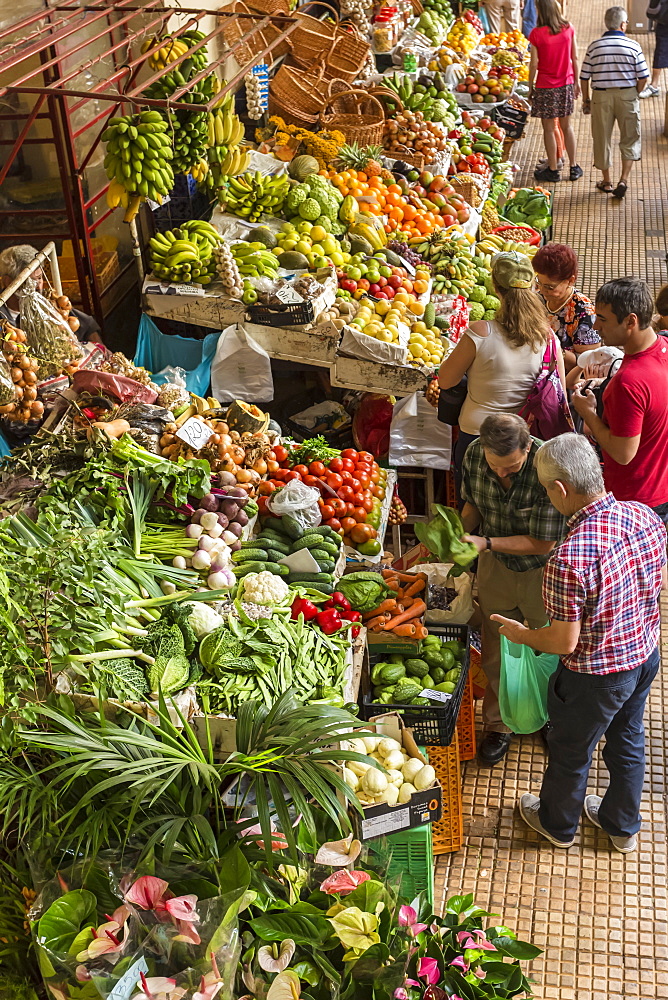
(476, 311)
(203, 619)
(491, 302)
(264, 588)
(477, 293)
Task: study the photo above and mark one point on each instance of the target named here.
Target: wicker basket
(299, 97)
(316, 43)
(272, 31)
(234, 29)
(347, 55)
(467, 188)
(312, 38)
(364, 124)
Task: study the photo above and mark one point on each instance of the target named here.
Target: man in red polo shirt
(601, 591)
(633, 433)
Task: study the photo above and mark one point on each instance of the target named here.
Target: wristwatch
(488, 547)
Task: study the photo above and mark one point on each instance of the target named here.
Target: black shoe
(575, 173)
(545, 174)
(493, 748)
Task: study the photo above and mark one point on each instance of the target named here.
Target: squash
(425, 778)
(112, 428)
(243, 417)
(391, 795)
(387, 745)
(411, 768)
(302, 166)
(350, 778)
(395, 777)
(394, 759)
(348, 210)
(374, 782)
(405, 792)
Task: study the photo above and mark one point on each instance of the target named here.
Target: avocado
(264, 236)
(292, 259)
(393, 258)
(359, 245)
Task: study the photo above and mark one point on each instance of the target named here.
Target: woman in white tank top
(503, 357)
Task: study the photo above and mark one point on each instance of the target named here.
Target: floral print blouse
(574, 323)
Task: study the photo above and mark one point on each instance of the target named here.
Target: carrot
(388, 573)
(415, 588)
(408, 628)
(420, 632)
(392, 584)
(388, 605)
(415, 611)
(400, 592)
(408, 577)
(376, 628)
(378, 620)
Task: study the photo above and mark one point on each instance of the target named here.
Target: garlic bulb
(228, 271)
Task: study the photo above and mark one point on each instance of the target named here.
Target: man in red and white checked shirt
(601, 591)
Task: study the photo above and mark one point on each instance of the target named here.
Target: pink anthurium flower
(158, 988)
(106, 941)
(400, 994)
(343, 881)
(150, 893)
(411, 982)
(480, 973)
(466, 940)
(147, 892)
(460, 963)
(211, 984)
(428, 969)
(82, 975)
(278, 841)
(408, 918)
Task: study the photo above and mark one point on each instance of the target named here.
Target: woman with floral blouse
(572, 314)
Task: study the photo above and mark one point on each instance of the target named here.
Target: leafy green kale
(126, 679)
(171, 669)
(443, 537)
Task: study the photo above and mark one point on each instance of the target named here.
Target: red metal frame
(48, 39)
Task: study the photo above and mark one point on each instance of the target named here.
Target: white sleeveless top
(500, 378)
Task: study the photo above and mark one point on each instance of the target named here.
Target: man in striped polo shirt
(616, 67)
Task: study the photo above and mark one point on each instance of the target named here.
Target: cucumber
(276, 524)
(326, 566)
(278, 569)
(291, 527)
(324, 529)
(273, 541)
(323, 588)
(310, 578)
(249, 555)
(321, 554)
(331, 548)
(250, 567)
(308, 541)
(251, 543)
(275, 555)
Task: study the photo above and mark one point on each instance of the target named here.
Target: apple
(374, 290)
(348, 285)
(388, 292)
(394, 281)
(382, 295)
(449, 220)
(382, 281)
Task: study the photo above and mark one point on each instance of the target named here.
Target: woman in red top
(553, 85)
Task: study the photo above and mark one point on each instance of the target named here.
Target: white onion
(178, 562)
(201, 560)
(194, 531)
(167, 587)
(218, 580)
(207, 543)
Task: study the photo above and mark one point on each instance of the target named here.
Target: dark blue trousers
(583, 708)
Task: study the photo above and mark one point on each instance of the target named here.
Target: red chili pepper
(338, 601)
(329, 620)
(355, 631)
(302, 606)
(351, 616)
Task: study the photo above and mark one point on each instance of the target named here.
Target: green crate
(412, 859)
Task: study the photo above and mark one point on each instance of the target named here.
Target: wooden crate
(371, 376)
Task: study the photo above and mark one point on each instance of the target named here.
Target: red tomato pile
(351, 486)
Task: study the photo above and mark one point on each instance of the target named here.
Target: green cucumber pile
(401, 678)
(280, 537)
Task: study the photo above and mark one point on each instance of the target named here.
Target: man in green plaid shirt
(517, 528)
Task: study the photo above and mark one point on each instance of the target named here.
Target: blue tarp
(157, 351)
(5, 449)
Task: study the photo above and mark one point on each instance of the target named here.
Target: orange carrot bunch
(401, 615)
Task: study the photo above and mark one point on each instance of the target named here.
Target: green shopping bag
(525, 675)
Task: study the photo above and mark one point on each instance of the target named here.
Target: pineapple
(363, 158)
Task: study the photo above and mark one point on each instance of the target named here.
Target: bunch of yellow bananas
(173, 48)
(185, 254)
(137, 161)
(225, 155)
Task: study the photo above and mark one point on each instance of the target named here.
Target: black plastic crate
(297, 314)
(432, 726)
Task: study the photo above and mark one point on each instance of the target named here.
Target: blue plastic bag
(525, 675)
(156, 351)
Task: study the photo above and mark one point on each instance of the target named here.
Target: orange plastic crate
(448, 833)
(476, 673)
(466, 723)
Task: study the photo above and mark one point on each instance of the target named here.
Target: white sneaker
(529, 806)
(649, 91)
(622, 844)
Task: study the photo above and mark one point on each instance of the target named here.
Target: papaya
(348, 210)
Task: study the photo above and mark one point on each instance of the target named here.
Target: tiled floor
(600, 917)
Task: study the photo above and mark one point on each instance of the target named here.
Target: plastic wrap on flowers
(150, 945)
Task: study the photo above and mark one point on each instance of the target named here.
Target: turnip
(219, 580)
(209, 520)
(216, 531)
(235, 546)
(229, 537)
(201, 560)
(194, 531)
(178, 562)
(206, 543)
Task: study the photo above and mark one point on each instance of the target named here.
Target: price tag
(128, 983)
(195, 433)
(288, 295)
(435, 695)
(327, 329)
(153, 205)
(396, 819)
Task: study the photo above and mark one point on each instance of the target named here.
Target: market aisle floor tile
(600, 917)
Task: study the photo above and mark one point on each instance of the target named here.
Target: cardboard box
(423, 807)
(412, 557)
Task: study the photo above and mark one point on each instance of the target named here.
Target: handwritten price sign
(195, 433)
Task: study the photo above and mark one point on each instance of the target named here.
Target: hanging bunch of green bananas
(172, 48)
(252, 194)
(254, 260)
(137, 161)
(190, 131)
(224, 154)
(185, 254)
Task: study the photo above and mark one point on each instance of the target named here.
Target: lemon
(382, 307)
(303, 247)
(318, 233)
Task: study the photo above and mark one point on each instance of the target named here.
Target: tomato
(348, 523)
(317, 469)
(289, 476)
(355, 483)
(262, 505)
(367, 503)
(280, 475)
(348, 464)
(336, 465)
(364, 456)
(350, 509)
(360, 515)
(280, 452)
(265, 488)
(375, 477)
(335, 525)
(347, 477)
(339, 506)
(357, 499)
(312, 481)
(326, 512)
(363, 469)
(301, 469)
(378, 491)
(364, 480)
(346, 492)
(333, 480)
(351, 453)
(362, 533)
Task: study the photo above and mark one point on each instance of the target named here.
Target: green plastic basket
(412, 859)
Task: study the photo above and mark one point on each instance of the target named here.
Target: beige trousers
(621, 105)
(507, 11)
(502, 591)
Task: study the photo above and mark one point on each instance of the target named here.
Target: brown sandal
(604, 186)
